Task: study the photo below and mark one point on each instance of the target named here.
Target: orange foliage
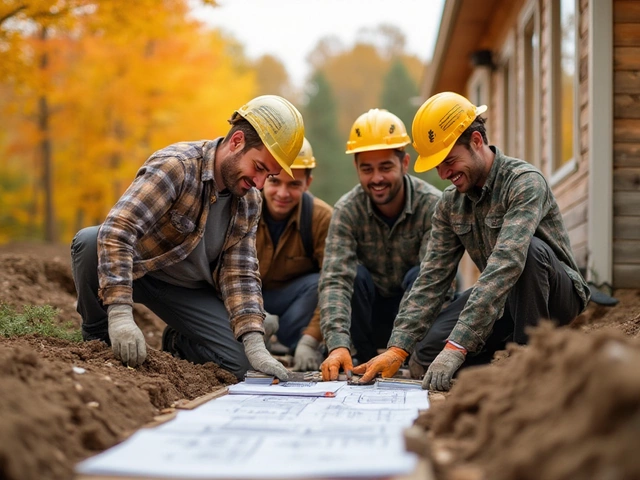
(121, 80)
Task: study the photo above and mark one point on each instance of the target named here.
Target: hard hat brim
(424, 164)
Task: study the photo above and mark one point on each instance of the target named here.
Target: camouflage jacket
(494, 225)
(161, 218)
(357, 235)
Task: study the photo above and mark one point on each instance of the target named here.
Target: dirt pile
(567, 406)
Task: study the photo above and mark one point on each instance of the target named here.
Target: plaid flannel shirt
(357, 235)
(495, 226)
(161, 218)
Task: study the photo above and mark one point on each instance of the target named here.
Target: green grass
(35, 319)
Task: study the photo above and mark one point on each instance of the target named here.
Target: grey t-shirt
(195, 271)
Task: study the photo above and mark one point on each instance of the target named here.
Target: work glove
(260, 358)
(338, 358)
(127, 340)
(441, 370)
(387, 364)
(307, 357)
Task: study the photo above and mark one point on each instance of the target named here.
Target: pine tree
(335, 173)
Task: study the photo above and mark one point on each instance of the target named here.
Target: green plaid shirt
(495, 226)
(161, 218)
(357, 235)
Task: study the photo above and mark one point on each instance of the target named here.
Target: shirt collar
(209, 155)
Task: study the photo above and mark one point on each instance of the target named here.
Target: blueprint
(356, 434)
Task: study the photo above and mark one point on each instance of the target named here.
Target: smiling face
(381, 175)
(282, 193)
(242, 170)
(465, 167)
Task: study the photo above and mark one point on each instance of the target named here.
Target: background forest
(88, 90)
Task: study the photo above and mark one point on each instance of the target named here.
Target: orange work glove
(387, 364)
(339, 357)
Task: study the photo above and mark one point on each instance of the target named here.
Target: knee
(85, 240)
(410, 277)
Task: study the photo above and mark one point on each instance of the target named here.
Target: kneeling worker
(290, 245)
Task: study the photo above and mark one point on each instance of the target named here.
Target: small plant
(35, 319)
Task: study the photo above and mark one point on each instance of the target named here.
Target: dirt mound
(63, 402)
(567, 406)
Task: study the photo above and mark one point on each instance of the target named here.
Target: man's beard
(232, 175)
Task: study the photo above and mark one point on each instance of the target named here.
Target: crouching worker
(290, 245)
(502, 211)
(181, 240)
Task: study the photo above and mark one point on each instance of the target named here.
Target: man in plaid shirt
(378, 233)
(501, 211)
(181, 240)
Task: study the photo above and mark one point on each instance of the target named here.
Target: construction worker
(290, 244)
(378, 234)
(181, 240)
(502, 212)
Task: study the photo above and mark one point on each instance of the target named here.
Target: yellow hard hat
(305, 158)
(377, 129)
(437, 125)
(279, 125)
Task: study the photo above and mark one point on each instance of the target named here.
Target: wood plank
(575, 215)
(578, 235)
(626, 105)
(626, 130)
(626, 81)
(626, 228)
(626, 154)
(627, 204)
(626, 252)
(626, 34)
(626, 276)
(196, 402)
(626, 179)
(626, 11)
(626, 58)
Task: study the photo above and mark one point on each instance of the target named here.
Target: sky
(290, 29)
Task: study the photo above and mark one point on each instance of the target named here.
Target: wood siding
(626, 149)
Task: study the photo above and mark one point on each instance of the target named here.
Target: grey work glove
(260, 358)
(307, 357)
(127, 340)
(441, 370)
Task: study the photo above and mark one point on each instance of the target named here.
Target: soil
(566, 406)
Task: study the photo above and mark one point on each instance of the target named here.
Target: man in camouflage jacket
(501, 211)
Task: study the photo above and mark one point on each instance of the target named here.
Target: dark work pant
(294, 304)
(372, 315)
(543, 291)
(198, 315)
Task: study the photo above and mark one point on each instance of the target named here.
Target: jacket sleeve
(336, 280)
(240, 284)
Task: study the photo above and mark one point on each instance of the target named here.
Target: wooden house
(561, 79)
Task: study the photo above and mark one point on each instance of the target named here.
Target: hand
(441, 370)
(387, 364)
(127, 340)
(260, 358)
(338, 358)
(307, 357)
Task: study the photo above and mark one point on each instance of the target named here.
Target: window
(564, 88)
(530, 100)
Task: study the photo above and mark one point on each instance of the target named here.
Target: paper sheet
(356, 434)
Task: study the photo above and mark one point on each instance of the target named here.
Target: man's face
(463, 167)
(283, 193)
(381, 174)
(241, 171)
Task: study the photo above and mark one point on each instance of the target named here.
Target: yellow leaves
(122, 79)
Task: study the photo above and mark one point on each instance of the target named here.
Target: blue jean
(372, 315)
(294, 303)
(198, 315)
